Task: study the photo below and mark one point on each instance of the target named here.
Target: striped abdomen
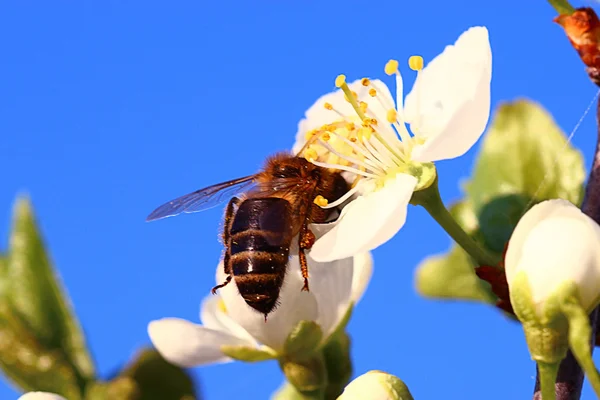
(260, 237)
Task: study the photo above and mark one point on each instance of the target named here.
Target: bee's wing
(203, 199)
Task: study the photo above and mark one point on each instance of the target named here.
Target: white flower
(41, 396)
(376, 385)
(228, 320)
(447, 110)
(555, 243)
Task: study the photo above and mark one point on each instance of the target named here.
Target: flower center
(373, 143)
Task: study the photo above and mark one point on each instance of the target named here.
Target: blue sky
(109, 109)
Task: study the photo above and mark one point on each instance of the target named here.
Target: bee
(278, 205)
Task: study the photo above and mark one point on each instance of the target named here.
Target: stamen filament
(347, 158)
(342, 199)
(352, 100)
(364, 152)
(343, 168)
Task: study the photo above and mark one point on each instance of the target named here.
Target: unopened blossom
(228, 321)
(553, 244)
(361, 130)
(41, 396)
(376, 385)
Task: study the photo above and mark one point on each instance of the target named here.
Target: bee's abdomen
(259, 247)
(260, 236)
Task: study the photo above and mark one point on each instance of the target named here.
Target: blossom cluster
(386, 147)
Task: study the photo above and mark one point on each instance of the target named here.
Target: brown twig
(570, 375)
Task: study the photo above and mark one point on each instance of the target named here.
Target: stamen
(328, 106)
(340, 82)
(343, 168)
(363, 106)
(373, 162)
(391, 67)
(415, 63)
(348, 158)
(365, 81)
(392, 115)
(310, 153)
(342, 199)
(320, 201)
(372, 92)
(382, 153)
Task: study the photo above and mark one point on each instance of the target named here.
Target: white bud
(41, 396)
(555, 243)
(376, 385)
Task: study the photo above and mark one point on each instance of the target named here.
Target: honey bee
(278, 205)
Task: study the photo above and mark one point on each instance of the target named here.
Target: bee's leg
(305, 241)
(234, 202)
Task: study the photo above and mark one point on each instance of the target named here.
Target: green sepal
(308, 375)
(157, 379)
(303, 340)
(546, 328)
(338, 364)
(247, 354)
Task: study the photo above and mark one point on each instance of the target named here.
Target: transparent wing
(203, 199)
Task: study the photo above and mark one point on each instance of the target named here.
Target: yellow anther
(370, 121)
(391, 67)
(364, 133)
(353, 139)
(350, 126)
(340, 80)
(372, 92)
(392, 115)
(325, 137)
(221, 306)
(321, 201)
(363, 106)
(415, 63)
(365, 81)
(328, 106)
(310, 154)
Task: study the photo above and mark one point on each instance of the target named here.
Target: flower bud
(376, 385)
(554, 244)
(41, 396)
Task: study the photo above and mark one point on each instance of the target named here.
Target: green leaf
(151, 377)
(525, 153)
(36, 298)
(451, 276)
(303, 339)
(562, 7)
(31, 366)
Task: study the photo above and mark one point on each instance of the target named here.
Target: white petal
(363, 270)
(317, 116)
(367, 222)
(294, 306)
(186, 344)
(213, 317)
(539, 212)
(331, 284)
(555, 244)
(450, 101)
(40, 396)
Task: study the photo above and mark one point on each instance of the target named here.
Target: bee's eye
(285, 171)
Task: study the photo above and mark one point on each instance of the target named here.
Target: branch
(570, 375)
